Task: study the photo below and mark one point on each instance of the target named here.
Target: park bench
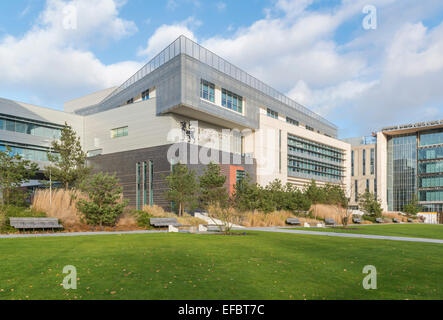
(395, 220)
(379, 220)
(356, 220)
(293, 221)
(35, 223)
(164, 222)
(329, 221)
(410, 220)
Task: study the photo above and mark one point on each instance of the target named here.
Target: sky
(362, 68)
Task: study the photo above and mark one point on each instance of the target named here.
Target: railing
(186, 46)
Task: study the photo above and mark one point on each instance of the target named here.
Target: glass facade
(29, 127)
(415, 167)
(430, 170)
(232, 101)
(313, 160)
(402, 171)
(432, 138)
(32, 153)
(207, 91)
(372, 163)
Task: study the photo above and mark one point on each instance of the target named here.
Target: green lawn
(182, 266)
(396, 230)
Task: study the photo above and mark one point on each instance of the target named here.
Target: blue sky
(316, 52)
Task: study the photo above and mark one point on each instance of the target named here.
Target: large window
(34, 129)
(292, 121)
(207, 90)
(119, 132)
(430, 153)
(352, 163)
(430, 167)
(28, 153)
(356, 191)
(145, 95)
(271, 113)
(232, 101)
(364, 162)
(372, 163)
(428, 139)
(431, 182)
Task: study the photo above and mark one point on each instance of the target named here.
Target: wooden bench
(329, 221)
(293, 221)
(164, 222)
(379, 220)
(35, 223)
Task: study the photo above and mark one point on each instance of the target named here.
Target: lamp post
(50, 173)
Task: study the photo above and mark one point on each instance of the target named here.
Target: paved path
(281, 230)
(72, 234)
(349, 235)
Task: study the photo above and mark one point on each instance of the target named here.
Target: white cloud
(55, 64)
(221, 6)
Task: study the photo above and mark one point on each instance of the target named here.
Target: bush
(105, 204)
(143, 219)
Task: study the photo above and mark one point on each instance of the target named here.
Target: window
(292, 121)
(207, 90)
(367, 185)
(364, 162)
(119, 132)
(310, 128)
(372, 163)
(356, 190)
(240, 176)
(375, 189)
(29, 128)
(232, 101)
(271, 113)
(145, 95)
(352, 163)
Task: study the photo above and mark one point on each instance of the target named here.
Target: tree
(370, 205)
(412, 208)
(68, 162)
(246, 195)
(14, 171)
(105, 203)
(183, 188)
(225, 218)
(315, 194)
(212, 187)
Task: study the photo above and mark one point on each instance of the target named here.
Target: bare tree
(224, 218)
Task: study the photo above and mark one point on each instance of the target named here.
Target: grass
(182, 266)
(395, 230)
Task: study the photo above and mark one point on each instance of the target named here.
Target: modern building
(187, 105)
(363, 167)
(408, 164)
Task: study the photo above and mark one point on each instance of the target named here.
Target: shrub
(105, 204)
(63, 205)
(143, 219)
